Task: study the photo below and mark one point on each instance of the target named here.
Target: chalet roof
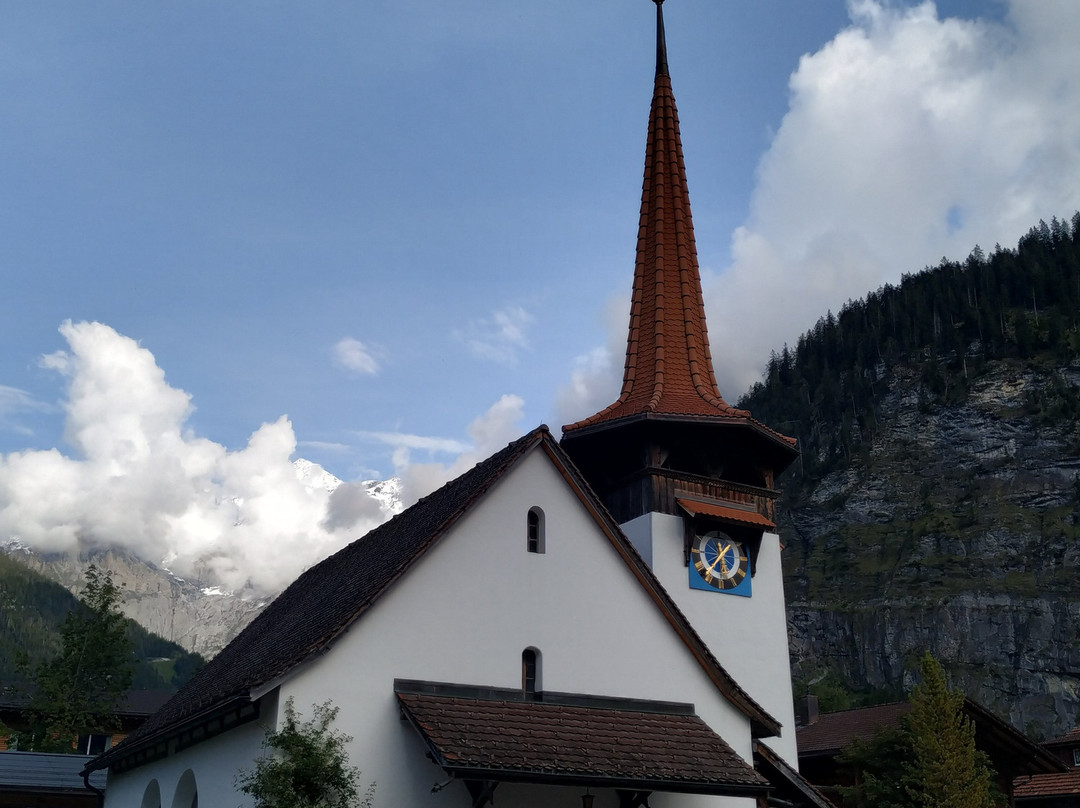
(668, 368)
(41, 773)
(1070, 738)
(1009, 749)
(648, 746)
(133, 704)
(1040, 786)
(833, 731)
(305, 620)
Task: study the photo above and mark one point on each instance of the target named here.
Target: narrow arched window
(534, 531)
(530, 672)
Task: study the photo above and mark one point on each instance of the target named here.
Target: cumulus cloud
(489, 433)
(908, 137)
(354, 355)
(499, 338)
(596, 375)
(139, 480)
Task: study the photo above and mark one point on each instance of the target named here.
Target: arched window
(530, 672)
(187, 792)
(151, 798)
(534, 531)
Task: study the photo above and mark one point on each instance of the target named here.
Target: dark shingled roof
(1011, 752)
(44, 773)
(833, 731)
(305, 620)
(1070, 738)
(535, 741)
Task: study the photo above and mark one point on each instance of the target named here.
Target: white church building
(596, 621)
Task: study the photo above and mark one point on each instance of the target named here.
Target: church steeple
(668, 375)
(668, 366)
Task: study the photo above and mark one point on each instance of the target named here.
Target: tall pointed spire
(668, 367)
(670, 431)
(661, 40)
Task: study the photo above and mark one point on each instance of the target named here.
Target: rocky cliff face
(955, 529)
(195, 616)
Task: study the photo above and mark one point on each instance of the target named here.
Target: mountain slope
(32, 607)
(937, 503)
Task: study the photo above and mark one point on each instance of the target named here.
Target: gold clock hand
(723, 560)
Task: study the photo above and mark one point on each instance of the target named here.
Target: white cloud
(427, 443)
(596, 376)
(489, 433)
(325, 446)
(15, 402)
(140, 481)
(355, 356)
(499, 338)
(12, 400)
(908, 138)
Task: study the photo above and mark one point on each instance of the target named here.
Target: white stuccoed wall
(463, 614)
(748, 635)
(466, 612)
(215, 764)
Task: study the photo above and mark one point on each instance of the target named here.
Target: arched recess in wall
(151, 798)
(534, 530)
(187, 791)
(530, 672)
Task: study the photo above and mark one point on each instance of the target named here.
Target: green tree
(880, 768)
(306, 765)
(79, 689)
(928, 761)
(947, 770)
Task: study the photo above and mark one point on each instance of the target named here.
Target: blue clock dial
(719, 562)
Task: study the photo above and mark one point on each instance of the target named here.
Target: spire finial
(661, 42)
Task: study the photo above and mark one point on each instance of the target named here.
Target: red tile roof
(1047, 785)
(535, 741)
(668, 368)
(726, 512)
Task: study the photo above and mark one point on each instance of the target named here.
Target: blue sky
(409, 226)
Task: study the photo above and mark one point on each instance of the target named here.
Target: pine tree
(79, 690)
(947, 770)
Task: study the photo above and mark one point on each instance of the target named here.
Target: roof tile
(527, 739)
(1047, 785)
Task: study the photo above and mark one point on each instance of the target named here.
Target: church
(596, 620)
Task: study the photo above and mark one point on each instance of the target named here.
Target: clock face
(719, 562)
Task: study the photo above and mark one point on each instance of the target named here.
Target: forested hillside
(936, 505)
(31, 610)
(948, 323)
